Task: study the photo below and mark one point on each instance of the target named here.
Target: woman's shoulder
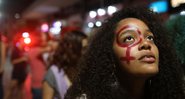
(55, 69)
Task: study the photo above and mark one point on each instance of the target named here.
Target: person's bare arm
(45, 49)
(18, 60)
(48, 91)
(3, 56)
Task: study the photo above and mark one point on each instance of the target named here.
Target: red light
(27, 40)
(26, 48)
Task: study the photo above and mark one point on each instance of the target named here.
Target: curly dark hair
(69, 52)
(98, 78)
(176, 25)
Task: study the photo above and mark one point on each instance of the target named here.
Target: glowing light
(17, 44)
(17, 16)
(101, 12)
(57, 24)
(154, 9)
(111, 10)
(44, 27)
(25, 34)
(90, 24)
(182, 13)
(27, 40)
(98, 23)
(55, 30)
(159, 6)
(92, 14)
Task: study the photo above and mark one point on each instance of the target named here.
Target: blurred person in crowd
(176, 27)
(54, 44)
(3, 45)
(63, 68)
(130, 57)
(36, 61)
(19, 72)
(51, 43)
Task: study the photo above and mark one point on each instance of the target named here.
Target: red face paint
(127, 58)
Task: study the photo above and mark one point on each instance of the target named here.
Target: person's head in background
(69, 51)
(130, 57)
(39, 38)
(176, 27)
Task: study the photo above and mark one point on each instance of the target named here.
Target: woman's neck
(136, 89)
(134, 86)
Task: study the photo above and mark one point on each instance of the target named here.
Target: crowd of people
(131, 56)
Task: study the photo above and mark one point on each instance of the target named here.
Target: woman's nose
(144, 45)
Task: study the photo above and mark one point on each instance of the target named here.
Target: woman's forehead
(131, 22)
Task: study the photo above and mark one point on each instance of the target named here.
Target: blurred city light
(55, 30)
(17, 16)
(159, 6)
(182, 13)
(98, 23)
(44, 27)
(27, 40)
(90, 24)
(57, 24)
(101, 12)
(25, 34)
(92, 14)
(111, 10)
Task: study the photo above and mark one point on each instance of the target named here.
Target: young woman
(19, 72)
(3, 47)
(130, 57)
(36, 61)
(63, 68)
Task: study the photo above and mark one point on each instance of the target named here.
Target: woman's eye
(128, 39)
(150, 38)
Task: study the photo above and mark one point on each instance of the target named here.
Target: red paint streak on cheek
(127, 58)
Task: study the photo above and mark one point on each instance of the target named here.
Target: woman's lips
(147, 58)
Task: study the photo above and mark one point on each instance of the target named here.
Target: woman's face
(135, 48)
